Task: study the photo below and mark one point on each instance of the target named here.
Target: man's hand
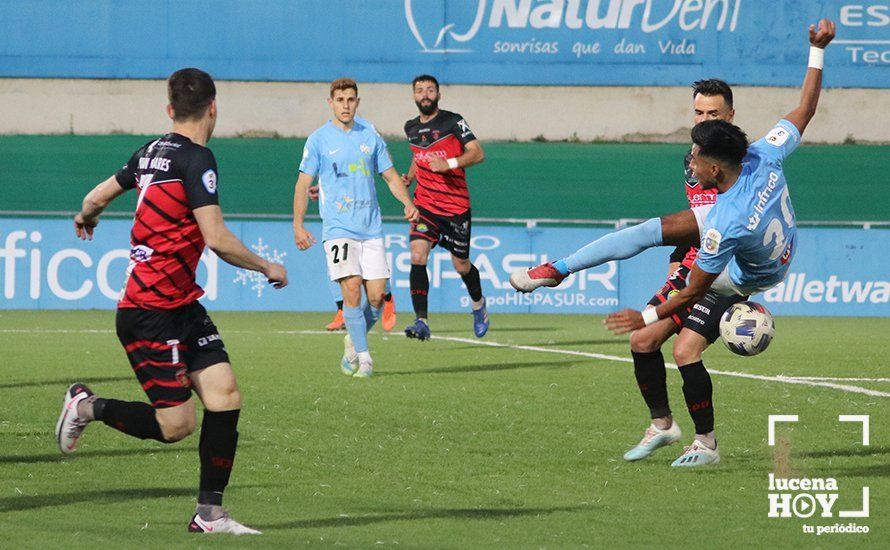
(439, 165)
(621, 322)
(825, 33)
(83, 227)
(303, 238)
(276, 274)
(313, 192)
(411, 213)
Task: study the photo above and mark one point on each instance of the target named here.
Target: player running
(443, 147)
(747, 239)
(171, 342)
(344, 155)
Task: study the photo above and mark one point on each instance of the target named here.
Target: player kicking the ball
(747, 240)
(344, 155)
(171, 342)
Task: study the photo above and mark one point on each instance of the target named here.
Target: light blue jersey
(346, 163)
(750, 232)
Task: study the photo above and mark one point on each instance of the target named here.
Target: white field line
(818, 382)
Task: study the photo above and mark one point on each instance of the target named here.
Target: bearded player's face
(426, 97)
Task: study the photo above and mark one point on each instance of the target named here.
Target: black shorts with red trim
(704, 316)
(452, 232)
(165, 346)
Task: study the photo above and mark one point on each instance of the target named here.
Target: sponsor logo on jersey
(365, 149)
(777, 136)
(711, 242)
(141, 253)
(209, 181)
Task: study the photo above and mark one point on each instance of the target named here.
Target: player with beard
(443, 147)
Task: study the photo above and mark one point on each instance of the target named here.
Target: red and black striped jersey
(695, 196)
(444, 136)
(174, 177)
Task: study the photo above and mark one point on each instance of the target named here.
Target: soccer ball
(747, 328)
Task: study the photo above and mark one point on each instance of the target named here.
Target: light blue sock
(618, 245)
(356, 327)
(336, 293)
(371, 315)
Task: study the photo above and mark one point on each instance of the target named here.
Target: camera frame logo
(805, 498)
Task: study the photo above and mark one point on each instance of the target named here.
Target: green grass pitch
(452, 444)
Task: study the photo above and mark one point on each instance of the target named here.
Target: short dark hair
(712, 87)
(425, 78)
(344, 84)
(190, 92)
(720, 140)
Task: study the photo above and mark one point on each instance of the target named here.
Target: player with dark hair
(344, 155)
(171, 342)
(443, 147)
(747, 240)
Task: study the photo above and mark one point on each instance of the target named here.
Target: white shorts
(347, 257)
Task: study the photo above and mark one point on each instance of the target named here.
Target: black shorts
(704, 316)
(165, 346)
(452, 232)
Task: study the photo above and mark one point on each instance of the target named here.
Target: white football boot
(654, 439)
(224, 524)
(695, 455)
(365, 369)
(70, 426)
(349, 362)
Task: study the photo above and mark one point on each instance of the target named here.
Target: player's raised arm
(94, 203)
(302, 237)
(812, 84)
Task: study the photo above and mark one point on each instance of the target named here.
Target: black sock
(652, 380)
(420, 287)
(474, 285)
(387, 297)
(131, 417)
(219, 439)
(698, 392)
(339, 305)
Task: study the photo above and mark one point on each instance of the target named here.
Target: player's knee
(643, 341)
(178, 428)
(376, 301)
(226, 399)
(686, 352)
(461, 265)
(419, 257)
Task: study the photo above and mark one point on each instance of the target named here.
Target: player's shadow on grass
(86, 455)
(64, 382)
(482, 368)
(108, 496)
(451, 513)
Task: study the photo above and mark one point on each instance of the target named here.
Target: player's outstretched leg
(71, 425)
(618, 245)
(698, 391)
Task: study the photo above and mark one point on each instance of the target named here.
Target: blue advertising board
(510, 42)
(43, 266)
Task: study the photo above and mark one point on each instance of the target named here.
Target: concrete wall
(56, 106)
